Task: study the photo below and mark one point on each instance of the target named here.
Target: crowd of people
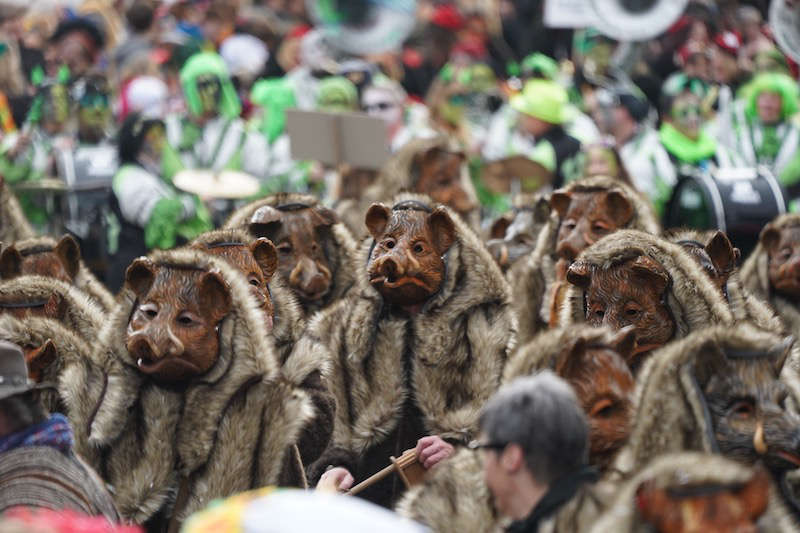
(499, 327)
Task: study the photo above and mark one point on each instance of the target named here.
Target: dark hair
(22, 410)
(140, 16)
(131, 136)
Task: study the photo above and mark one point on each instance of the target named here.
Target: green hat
(275, 96)
(543, 99)
(337, 93)
(776, 83)
(202, 64)
(540, 63)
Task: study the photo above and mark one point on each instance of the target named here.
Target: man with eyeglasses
(535, 442)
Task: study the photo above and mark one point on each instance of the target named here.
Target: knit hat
(209, 63)
(337, 93)
(776, 83)
(728, 42)
(543, 99)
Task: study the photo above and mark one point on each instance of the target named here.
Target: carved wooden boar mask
(406, 265)
(783, 247)
(172, 333)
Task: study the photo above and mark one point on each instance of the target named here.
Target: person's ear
(512, 458)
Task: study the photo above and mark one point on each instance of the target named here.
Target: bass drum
(738, 201)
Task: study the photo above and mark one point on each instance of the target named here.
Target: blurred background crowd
(104, 102)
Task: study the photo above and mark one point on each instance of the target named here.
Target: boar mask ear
(710, 361)
(769, 238)
(579, 274)
(618, 207)
(214, 296)
(442, 229)
(541, 210)
(42, 358)
(377, 219)
(265, 221)
(780, 354)
(499, 227)
(722, 253)
(651, 272)
(571, 360)
(55, 307)
(324, 216)
(560, 201)
(624, 342)
(10, 263)
(69, 253)
(266, 256)
(140, 276)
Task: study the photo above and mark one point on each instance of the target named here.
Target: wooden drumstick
(407, 460)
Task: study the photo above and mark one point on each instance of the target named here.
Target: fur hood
(288, 321)
(340, 253)
(453, 498)
(13, 224)
(755, 277)
(671, 415)
(230, 430)
(81, 313)
(684, 469)
(693, 301)
(458, 342)
(531, 277)
(743, 304)
(85, 280)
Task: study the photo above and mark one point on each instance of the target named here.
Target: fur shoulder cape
(340, 253)
(229, 431)
(453, 498)
(85, 280)
(755, 277)
(532, 276)
(13, 224)
(458, 344)
(81, 313)
(680, 470)
(693, 301)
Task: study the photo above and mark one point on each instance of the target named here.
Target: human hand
(432, 449)
(335, 480)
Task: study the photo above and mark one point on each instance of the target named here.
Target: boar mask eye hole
(570, 224)
(743, 409)
(254, 282)
(418, 248)
(185, 320)
(631, 311)
(149, 310)
(389, 244)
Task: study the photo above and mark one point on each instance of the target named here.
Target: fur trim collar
(228, 431)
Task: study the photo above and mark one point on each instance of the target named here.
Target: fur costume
(340, 253)
(531, 278)
(85, 280)
(230, 430)
(743, 304)
(81, 314)
(287, 326)
(455, 497)
(693, 301)
(455, 349)
(398, 175)
(755, 278)
(682, 469)
(13, 224)
(672, 415)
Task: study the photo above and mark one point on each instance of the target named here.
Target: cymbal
(499, 175)
(43, 185)
(227, 184)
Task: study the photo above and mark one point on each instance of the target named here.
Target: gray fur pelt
(230, 430)
(532, 277)
(13, 224)
(459, 342)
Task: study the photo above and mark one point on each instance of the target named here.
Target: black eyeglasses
(477, 445)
